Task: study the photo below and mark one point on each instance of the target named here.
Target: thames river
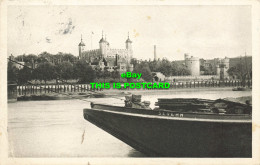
(57, 128)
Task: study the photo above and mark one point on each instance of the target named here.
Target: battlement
(93, 50)
(192, 59)
(113, 57)
(118, 49)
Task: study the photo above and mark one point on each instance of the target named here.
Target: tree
(106, 73)
(84, 72)
(24, 75)
(44, 72)
(12, 72)
(62, 57)
(145, 70)
(242, 70)
(99, 73)
(239, 71)
(69, 57)
(165, 67)
(174, 68)
(133, 61)
(154, 65)
(183, 71)
(30, 58)
(44, 57)
(115, 73)
(64, 70)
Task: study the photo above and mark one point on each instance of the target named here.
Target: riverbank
(164, 91)
(106, 93)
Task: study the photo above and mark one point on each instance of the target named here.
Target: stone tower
(128, 44)
(103, 46)
(81, 48)
(225, 62)
(192, 64)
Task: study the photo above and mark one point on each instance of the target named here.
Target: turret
(107, 41)
(81, 48)
(128, 44)
(225, 61)
(103, 46)
(186, 56)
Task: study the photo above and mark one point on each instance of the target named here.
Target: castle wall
(91, 55)
(110, 57)
(110, 53)
(94, 56)
(95, 52)
(122, 53)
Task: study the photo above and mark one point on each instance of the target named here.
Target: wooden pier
(24, 90)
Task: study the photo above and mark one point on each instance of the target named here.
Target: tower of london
(192, 64)
(108, 57)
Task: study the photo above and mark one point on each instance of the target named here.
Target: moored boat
(172, 133)
(241, 89)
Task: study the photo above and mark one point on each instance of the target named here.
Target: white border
(4, 159)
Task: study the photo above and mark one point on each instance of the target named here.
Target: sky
(201, 31)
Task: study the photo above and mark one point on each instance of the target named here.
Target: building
(192, 64)
(158, 76)
(222, 67)
(18, 64)
(108, 57)
(217, 66)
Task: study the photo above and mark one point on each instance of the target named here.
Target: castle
(192, 64)
(108, 58)
(217, 66)
(199, 67)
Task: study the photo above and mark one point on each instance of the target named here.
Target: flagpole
(91, 40)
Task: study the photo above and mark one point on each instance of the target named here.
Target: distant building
(192, 64)
(217, 66)
(18, 64)
(108, 57)
(158, 76)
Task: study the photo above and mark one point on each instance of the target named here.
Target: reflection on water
(56, 128)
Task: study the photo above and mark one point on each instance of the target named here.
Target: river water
(57, 128)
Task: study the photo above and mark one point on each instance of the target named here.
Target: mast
(247, 71)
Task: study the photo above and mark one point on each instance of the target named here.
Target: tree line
(166, 67)
(46, 67)
(63, 66)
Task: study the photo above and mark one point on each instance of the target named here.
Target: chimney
(154, 51)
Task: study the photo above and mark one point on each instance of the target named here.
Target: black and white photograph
(109, 81)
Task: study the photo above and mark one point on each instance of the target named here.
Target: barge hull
(164, 137)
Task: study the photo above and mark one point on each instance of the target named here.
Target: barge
(177, 131)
